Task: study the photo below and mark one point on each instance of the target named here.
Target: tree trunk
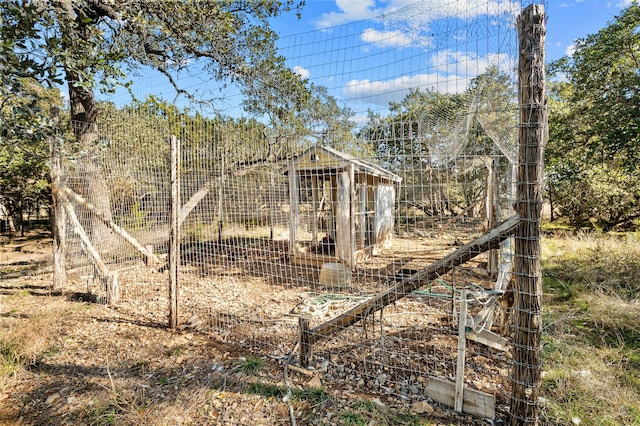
(12, 225)
(84, 118)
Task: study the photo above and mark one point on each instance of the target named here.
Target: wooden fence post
(59, 215)
(527, 322)
(304, 339)
(174, 232)
(462, 352)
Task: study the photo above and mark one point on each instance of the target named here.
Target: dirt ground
(65, 360)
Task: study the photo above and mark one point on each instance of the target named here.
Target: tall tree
(25, 124)
(300, 114)
(594, 148)
(92, 44)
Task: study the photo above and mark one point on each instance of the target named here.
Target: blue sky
(365, 62)
(567, 20)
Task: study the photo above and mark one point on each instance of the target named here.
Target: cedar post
(59, 215)
(305, 340)
(526, 347)
(174, 232)
(220, 201)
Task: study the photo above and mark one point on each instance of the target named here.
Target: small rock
(421, 407)
(316, 382)
(413, 390)
(378, 402)
(51, 398)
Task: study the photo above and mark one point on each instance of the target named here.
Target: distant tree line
(593, 155)
(592, 162)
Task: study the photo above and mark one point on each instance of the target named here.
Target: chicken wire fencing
(384, 254)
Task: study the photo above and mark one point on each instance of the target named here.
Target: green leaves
(605, 74)
(593, 155)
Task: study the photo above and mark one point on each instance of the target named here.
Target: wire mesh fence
(384, 254)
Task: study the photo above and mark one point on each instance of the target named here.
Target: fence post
(174, 232)
(462, 352)
(59, 215)
(527, 322)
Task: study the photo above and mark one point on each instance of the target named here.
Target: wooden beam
(220, 202)
(87, 245)
(314, 209)
(108, 279)
(461, 255)
(293, 210)
(174, 233)
(489, 338)
(115, 228)
(193, 202)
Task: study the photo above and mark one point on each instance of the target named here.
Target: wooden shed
(341, 207)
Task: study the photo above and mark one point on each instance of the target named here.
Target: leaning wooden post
(527, 323)
(109, 279)
(174, 232)
(59, 215)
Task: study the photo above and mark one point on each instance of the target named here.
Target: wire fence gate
(401, 258)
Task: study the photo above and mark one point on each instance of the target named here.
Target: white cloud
(570, 50)
(386, 38)
(449, 62)
(302, 72)
(350, 10)
(355, 10)
(383, 92)
(450, 72)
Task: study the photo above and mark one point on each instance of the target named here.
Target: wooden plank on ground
(476, 403)
(489, 338)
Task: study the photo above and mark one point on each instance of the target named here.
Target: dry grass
(66, 362)
(26, 337)
(592, 340)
